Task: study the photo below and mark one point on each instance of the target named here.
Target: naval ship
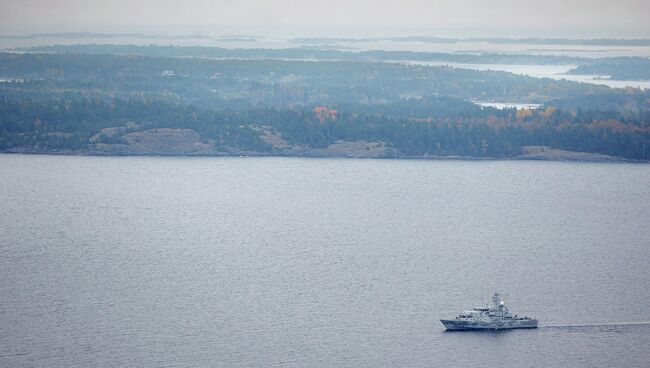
(489, 317)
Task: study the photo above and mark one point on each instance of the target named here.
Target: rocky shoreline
(187, 142)
(547, 155)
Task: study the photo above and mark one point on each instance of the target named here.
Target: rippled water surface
(238, 262)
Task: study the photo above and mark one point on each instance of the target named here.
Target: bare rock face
(162, 141)
(548, 153)
(273, 138)
(356, 149)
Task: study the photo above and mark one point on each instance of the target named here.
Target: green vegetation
(80, 103)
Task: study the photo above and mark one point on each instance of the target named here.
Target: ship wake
(597, 325)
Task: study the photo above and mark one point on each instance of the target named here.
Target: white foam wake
(605, 324)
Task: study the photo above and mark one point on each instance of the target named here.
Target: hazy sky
(570, 18)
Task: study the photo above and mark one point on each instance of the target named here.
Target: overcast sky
(555, 18)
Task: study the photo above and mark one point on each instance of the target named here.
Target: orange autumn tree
(323, 113)
(524, 113)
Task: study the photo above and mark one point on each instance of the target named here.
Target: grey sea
(288, 262)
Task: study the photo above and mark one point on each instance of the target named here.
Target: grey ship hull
(451, 324)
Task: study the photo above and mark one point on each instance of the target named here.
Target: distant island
(495, 40)
(326, 40)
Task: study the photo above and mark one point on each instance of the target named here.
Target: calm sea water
(250, 262)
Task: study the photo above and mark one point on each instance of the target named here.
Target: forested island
(621, 68)
(116, 103)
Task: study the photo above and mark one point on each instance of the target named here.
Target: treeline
(303, 53)
(463, 130)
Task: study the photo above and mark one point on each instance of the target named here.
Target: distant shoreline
(588, 158)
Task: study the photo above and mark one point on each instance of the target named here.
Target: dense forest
(128, 104)
(234, 82)
(620, 68)
(623, 68)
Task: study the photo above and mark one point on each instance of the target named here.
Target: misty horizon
(286, 18)
(362, 36)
